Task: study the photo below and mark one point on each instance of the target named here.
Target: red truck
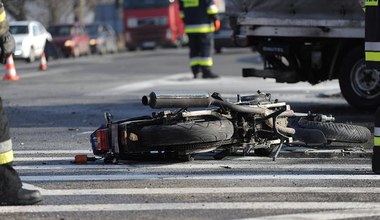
(148, 24)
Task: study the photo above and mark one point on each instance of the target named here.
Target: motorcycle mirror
(108, 117)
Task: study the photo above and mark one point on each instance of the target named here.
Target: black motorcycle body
(254, 123)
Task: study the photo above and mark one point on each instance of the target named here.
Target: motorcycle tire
(187, 137)
(338, 132)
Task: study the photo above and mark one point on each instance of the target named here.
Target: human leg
(11, 191)
(194, 46)
(206, 62)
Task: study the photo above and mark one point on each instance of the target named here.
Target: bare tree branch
(52, 11)
(16, 8)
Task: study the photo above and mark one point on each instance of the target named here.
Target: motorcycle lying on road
(253, 124)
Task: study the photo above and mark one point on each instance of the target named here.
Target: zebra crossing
(236, 187)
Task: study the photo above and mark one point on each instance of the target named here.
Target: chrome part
(177, 99)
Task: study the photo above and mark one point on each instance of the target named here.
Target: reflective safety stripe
(376, 141)
(6, 157)
(190, 3)
(3, 16)
(372, 56)
(377, 132)
(201, 61)
(194, 61)
(5, 146)
(212, 10)
(200, 28)
(372, 46)
(371, 2)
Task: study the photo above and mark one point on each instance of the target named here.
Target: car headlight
(94, 42)
(68, 43)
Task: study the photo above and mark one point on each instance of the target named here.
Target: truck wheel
(359, 86)
(189, 137)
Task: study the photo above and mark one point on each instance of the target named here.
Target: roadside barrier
(10, 69)
(376, 144)
(43, 63)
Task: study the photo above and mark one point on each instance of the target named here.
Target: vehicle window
(35, 30)
(18, 29)
(110, 30)
(61, 30)
(79, 30)
(92, 29)
(41, 28)
(135, 4)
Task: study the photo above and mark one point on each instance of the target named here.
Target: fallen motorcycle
(253, 124)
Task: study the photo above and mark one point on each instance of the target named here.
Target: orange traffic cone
(10, 73)
(43, 63)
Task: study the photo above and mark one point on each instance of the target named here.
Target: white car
(30, 37)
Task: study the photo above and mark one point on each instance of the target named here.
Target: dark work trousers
(9, 180)
(4, 126)
(200, 52)
(372, 35)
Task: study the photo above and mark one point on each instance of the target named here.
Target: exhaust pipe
(177, 100)
(158, 100)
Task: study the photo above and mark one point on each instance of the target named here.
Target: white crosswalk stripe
(37, 170)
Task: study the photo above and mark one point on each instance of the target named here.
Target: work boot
(208, 74)
(197, 75)
(196, 70)
(21, 197)
(11, 191)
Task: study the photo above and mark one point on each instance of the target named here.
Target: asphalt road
(53, 112)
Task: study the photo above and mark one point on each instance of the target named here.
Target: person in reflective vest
(372, 35)
(11, 191)
(200, 18)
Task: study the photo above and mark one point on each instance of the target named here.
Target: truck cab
(308, 40)
(148, 24)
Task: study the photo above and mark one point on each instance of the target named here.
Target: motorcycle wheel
(338, 132)
(187, 137)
